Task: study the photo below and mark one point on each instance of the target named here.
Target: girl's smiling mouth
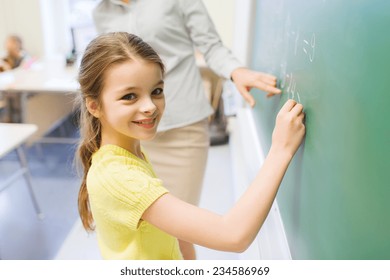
(146, 123)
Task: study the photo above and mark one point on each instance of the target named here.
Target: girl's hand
(245, 79)
(289, 128)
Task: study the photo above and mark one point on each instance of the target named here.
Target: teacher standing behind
(174, 28)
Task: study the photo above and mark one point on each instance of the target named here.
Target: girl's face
(132, 103)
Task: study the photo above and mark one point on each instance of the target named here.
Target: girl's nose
(148, 106)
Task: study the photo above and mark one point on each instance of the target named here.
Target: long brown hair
(101, 53)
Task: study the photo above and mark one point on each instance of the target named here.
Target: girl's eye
(130, 96)
(157, 91)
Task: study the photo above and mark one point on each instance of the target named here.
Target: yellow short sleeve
(122, 193)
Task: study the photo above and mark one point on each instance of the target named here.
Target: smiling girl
(121, 102)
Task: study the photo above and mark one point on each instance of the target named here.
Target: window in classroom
(81, 23)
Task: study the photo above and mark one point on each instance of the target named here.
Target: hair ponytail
(90, 143)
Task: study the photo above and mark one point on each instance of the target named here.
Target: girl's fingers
(288, 106)
(297, 109)
(301, 117)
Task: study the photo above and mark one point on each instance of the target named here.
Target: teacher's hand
(245, 79)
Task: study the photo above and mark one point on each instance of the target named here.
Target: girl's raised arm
(235, 230)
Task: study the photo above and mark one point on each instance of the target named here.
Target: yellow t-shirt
(121, 187)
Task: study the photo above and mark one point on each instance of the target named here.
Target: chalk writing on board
(309, 47)
(296, 43)
(289, 83)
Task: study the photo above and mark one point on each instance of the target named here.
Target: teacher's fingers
(247, 96)
(270, 88)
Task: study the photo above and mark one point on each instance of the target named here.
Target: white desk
(42, 76)
(12, 137)
(51, 83)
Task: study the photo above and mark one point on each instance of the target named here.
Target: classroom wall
(23, 18)
(242, 35)
(56, 27)
(222, 13)
(42, 24)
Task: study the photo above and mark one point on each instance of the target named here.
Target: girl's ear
(92, 107)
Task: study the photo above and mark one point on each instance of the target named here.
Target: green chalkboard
(334, 57)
